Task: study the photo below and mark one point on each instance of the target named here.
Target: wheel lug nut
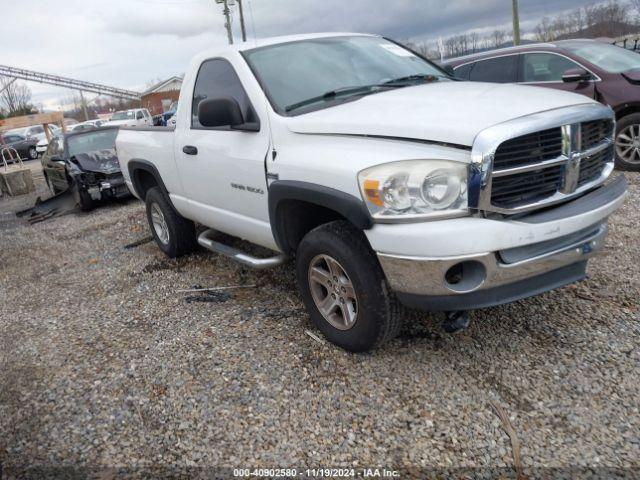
(341, 300)
(335, 279)
(333, 295)
(344, 290)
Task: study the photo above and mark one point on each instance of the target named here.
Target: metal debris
(213, 289)
(315, 337)
(139, 242)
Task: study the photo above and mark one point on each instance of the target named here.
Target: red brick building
(159, 98)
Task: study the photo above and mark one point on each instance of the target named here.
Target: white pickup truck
(390, 183)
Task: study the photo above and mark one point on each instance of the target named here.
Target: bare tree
(609, 19)
(497, 38)
(15, 98)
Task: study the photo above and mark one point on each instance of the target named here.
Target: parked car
(25, 146)
(138, 117)
(82, 126)
(42, 145)
(86, 163)
(601, 71)
(387, 181)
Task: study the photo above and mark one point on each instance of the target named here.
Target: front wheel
(343, 288)
(628, 143)
(174, 234)
(82, 197)
(33, 153)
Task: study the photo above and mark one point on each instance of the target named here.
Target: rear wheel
(343, 288)
(174, 234)
(628, 143)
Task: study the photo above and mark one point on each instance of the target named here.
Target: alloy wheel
(159, 223)
(628, 144)
(333, 292)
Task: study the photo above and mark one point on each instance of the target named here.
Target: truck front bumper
(530, 255)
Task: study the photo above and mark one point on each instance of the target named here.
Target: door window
(11, 139)
(496, 70)
(545, 67)
(55, 148)
(464, 71)
(216, 79)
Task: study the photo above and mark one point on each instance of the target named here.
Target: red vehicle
(598, 70)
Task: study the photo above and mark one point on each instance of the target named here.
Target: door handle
(190, 150)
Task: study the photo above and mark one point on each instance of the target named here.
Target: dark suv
(598, 70)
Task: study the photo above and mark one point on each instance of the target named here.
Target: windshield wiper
(339, 92)
(409, 79)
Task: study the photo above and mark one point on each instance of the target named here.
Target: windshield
(126, 115)
(608, 57)
(293, 73)
(92, 142)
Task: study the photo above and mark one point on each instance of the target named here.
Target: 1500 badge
(247, 188)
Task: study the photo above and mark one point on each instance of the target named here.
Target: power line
(65, 82)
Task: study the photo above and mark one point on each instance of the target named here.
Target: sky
(129, 43)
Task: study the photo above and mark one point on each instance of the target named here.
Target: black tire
(181, 233)
(82, 197)
(32, 153)
(379, 315)
(623, 125)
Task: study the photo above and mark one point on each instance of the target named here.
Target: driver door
(54, 166)
(223, 170)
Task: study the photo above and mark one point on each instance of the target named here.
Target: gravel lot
(106, 367)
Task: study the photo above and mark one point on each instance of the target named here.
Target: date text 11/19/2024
(316, 473)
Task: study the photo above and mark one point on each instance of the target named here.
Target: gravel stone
(105, 366)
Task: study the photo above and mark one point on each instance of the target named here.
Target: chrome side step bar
(237, 255)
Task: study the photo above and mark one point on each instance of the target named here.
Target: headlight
(415, 189)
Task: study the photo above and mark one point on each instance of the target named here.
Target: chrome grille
(591, 167)
(538, 168)
(526, 187)
(593, 132)
(535, 147)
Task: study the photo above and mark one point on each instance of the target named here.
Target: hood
(633, 76)
(447, 112)
(101, 161)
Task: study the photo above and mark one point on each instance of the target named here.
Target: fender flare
(348, 206)
(137, 164)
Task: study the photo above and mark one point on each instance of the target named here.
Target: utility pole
(244, 33)
(84, 106)
(516, 23)
(227, 15)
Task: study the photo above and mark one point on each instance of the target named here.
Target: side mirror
(220, 112)
(576, 75)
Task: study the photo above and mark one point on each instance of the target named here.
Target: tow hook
(455, 321)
